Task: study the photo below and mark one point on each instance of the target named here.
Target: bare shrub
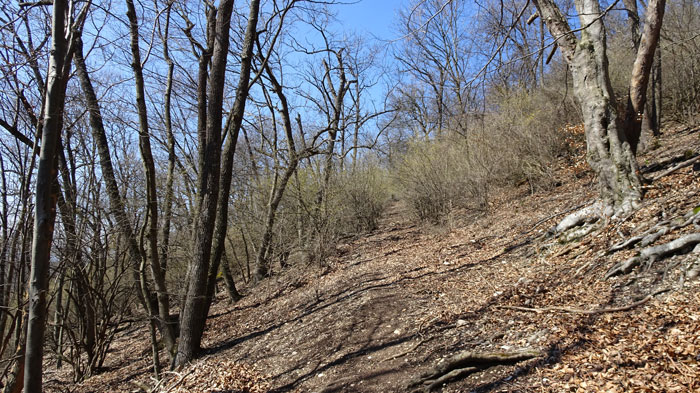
(516, 143)
(680, 53)
(365, 192)
(437, 175)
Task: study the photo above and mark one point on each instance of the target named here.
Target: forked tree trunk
(609, 153)
(193, 316)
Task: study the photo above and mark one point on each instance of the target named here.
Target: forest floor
(393, 304)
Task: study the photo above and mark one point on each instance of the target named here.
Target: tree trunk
(157, 272)
(228, 279)
(193, 317)
(46, 198)
(263, 257)
(170, 179)
(653, 109)
(609, 153)
(233, 128)
(641, 70)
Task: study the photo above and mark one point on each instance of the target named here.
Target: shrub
(516, 143)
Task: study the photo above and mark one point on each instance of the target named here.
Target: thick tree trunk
(46, 198)
(233, 128)
(609, 153)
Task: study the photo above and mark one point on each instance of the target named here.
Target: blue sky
(376, 17)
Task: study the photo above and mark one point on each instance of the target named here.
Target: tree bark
(653, 107)
(193, 319)
(46, 198)
(641, 70)
(609, 153)
(157, 272)
(233, 128)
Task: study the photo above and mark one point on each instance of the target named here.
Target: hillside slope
(399, 301)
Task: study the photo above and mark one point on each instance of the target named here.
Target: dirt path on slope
(339, 331)
(396, 301)
(400, 300)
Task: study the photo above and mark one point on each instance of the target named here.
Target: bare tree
(610, 151)
(46, 191)
(195, 307)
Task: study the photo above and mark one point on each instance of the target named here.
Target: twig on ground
(182, 378)
(588, 312)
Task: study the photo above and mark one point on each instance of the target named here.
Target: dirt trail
(394, 303)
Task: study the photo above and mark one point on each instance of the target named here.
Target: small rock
(397, 331)
(461, 322)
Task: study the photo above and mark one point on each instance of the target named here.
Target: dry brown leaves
(343, 326)
(210, 375)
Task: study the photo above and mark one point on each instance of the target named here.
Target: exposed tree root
(677, 167)
(588, 312)
(646, 238)
(652, 254)
(654, 233)
(694, 270)
(466, 363)
(587, 215)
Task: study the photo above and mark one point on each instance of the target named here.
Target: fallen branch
(587, 312)
(652, 254)
(466, 363)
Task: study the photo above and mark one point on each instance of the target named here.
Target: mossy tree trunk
(610, 153)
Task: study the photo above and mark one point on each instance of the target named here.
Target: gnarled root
(466, 363)
(651, 254)
(587, 215)
(694, 270)
(654, 233)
